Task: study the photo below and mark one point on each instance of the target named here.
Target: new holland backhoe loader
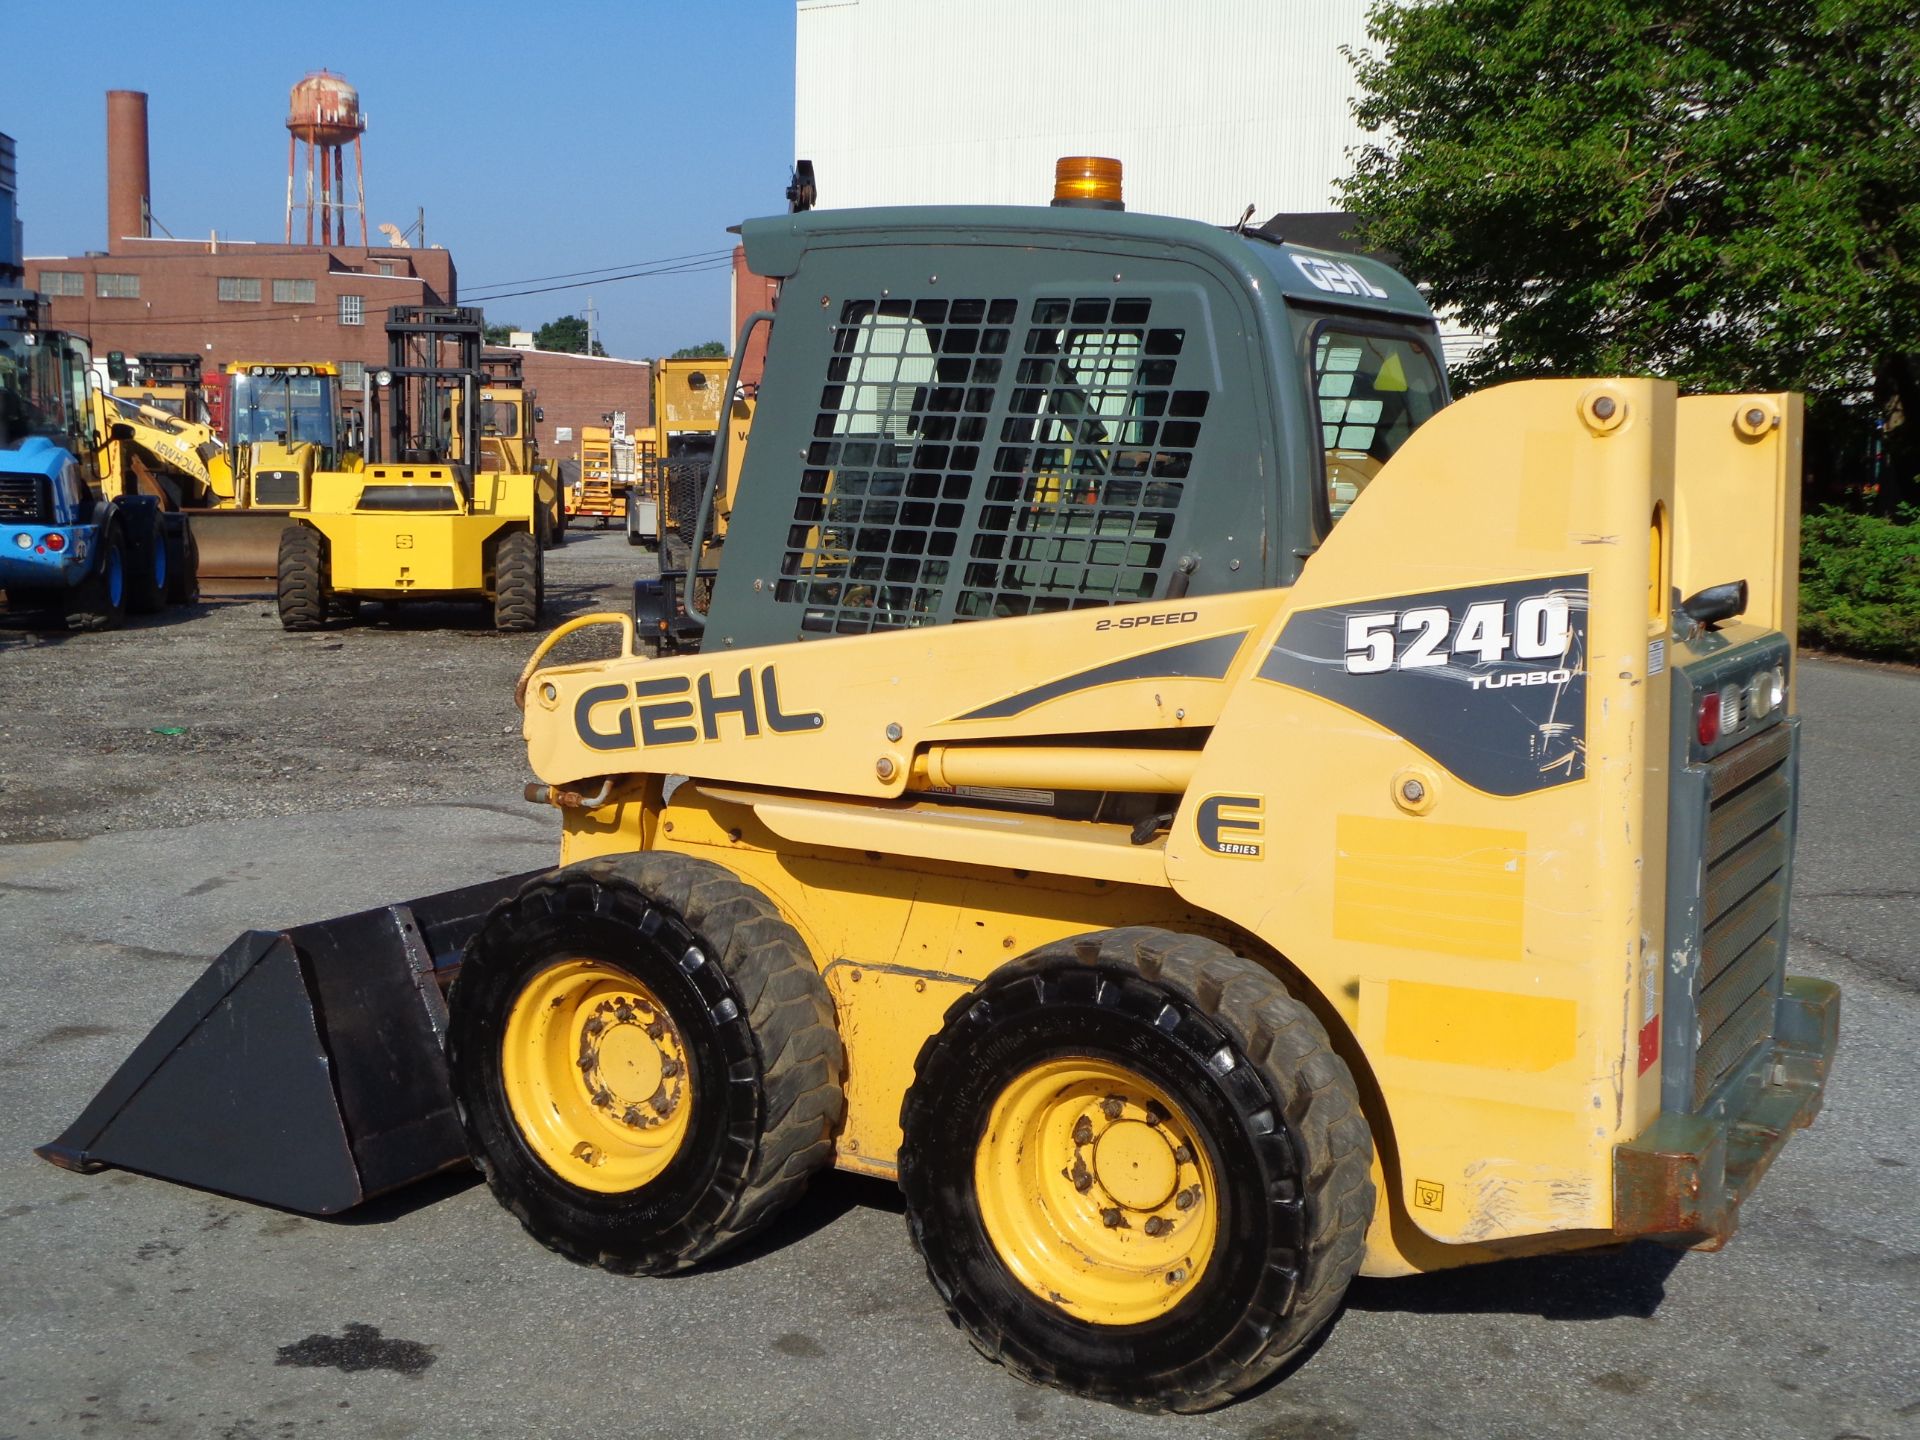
(283, 428)
(424, 519)
(1196, 871)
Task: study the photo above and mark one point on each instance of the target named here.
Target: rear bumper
(1683, 1179)
(33, 566)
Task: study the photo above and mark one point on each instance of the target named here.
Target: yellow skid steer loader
(1203, 813)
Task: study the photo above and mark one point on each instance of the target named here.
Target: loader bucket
(239, 550)
(304, 1069)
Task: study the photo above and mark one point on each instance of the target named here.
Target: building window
(62, 282)
(386, 267)
(116, 287)
(352, 310)
(353, 375)
(233, 287)
(293, 292)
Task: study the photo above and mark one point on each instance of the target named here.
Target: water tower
(325, 113)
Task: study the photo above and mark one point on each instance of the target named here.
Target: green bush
(1860, 583)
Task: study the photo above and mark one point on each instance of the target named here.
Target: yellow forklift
(422, 519)
(510, 443)
(169, 382)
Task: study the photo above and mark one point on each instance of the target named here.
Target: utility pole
(592, 316)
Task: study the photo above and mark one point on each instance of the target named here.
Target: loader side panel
(1448, 771)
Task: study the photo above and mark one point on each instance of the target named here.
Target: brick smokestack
(128, 187)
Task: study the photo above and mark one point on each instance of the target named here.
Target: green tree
(705, 350)
(1723, 192)
(568, 334)
(500, 334)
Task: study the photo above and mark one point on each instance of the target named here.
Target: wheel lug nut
(1174, 1277)
(1083, 1131)
(1113, 1219)
(1112, 1106)
(1157, 1227)
(1183, 1154)
(1184, 1200)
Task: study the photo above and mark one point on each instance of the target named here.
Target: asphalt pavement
(133, 1307)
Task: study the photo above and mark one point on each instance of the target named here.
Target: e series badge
(1232, 825)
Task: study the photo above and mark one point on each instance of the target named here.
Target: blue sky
(541, 137)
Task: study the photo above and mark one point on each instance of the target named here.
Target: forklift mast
(425, 401)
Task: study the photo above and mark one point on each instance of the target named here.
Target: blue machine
(63, 545)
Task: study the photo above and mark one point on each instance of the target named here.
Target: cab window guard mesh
(951, 476)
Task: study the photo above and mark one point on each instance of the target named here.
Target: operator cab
(43, 388)
(999, 411)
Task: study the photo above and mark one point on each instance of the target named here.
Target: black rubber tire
(91, 605)
(516, 582)
(149, 569)
(183, 577)
(1290, 1150)
(760, 1035)
(302, 587)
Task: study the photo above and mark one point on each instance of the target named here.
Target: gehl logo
(665, 712)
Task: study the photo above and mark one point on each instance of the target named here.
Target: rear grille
(276, 487)
(1743, 905)
(26, 500)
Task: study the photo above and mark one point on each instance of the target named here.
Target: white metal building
(1212, 105)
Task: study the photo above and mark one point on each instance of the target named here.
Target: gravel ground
(318, 775)
(413, 704)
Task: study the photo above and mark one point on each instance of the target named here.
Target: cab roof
(776, 243)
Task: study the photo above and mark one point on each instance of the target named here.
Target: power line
(696, 268)
(603, 270)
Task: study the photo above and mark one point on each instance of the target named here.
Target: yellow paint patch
(1545, 512)
(1488, 1029)
(1457, 889)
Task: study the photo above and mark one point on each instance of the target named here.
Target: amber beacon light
(1092, 181)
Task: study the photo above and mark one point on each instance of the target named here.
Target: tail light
(1708, 727)
(56, 542)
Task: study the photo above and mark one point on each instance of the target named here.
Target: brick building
(231, 301)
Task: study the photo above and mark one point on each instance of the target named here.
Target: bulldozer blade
(304, 1069)
(239, 550)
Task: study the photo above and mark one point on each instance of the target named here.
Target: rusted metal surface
(1683, 1180)
(239, 550)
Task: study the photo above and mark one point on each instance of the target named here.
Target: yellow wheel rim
(1096, 1191)
(596, 1076)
